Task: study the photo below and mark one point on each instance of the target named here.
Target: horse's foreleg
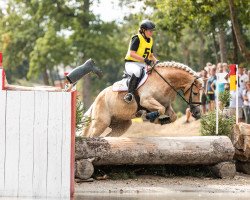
(152, 105)
(170, 112)
(119, 128)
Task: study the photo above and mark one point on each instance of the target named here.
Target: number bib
(143, 50)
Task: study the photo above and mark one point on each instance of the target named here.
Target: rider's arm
(213, 86)
(135, 42)
(244, 95)
(134, 55)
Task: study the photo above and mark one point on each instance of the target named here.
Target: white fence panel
(26, 154)
(12, 143)
(40, 143)
(66, 144)
(2, 138)
(54, 144)
(35, 143)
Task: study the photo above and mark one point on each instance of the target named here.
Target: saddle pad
(122, 84)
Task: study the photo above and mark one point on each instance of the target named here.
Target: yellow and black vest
(143, 50)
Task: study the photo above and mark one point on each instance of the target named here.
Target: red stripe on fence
(1, 59)
(73, 129)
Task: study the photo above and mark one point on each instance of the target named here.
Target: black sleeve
(135, 43)
(152, 51)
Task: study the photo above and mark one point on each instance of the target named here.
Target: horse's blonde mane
(177, 65)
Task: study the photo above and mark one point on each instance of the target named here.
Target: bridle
(192, 104)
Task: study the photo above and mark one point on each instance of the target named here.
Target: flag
(232, 77)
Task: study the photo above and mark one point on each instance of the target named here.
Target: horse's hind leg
(119, 128)
(97, 126)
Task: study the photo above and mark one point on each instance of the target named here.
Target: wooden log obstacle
(37, 137)
(214, 151)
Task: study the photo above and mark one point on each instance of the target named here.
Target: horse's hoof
(164, 119)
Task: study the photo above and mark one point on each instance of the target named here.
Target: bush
(208, 124)
(224, 98)
(79, 114)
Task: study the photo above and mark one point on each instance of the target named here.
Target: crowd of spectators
(208, 97)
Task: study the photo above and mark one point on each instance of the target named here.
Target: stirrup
(128, 97)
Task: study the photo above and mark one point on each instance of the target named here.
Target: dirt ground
(157, 184)
(178, 128)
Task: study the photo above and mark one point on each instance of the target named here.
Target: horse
(164, 82)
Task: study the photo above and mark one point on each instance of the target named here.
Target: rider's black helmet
(147, 25)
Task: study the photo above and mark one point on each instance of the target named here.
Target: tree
(236, 27)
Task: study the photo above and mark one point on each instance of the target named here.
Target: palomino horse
(156, 94)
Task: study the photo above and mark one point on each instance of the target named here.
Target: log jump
(196, 150)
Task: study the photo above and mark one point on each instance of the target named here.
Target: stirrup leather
(128, 97)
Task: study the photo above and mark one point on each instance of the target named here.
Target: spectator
(209, 89)
(204, 76)
(246, 107)
(219, 68)
(225, 67)
(222, 76)
(243, 78)
(188, 115)
(232, 105)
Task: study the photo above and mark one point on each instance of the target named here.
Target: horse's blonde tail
(89, 111)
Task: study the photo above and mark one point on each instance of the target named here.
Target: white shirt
(247, 94)
(233, 99)
(242, 81)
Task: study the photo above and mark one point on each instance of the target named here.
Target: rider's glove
(148, 62)
(157, 61)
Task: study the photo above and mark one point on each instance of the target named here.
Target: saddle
(122, 85)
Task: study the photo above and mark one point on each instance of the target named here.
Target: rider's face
(149, 33)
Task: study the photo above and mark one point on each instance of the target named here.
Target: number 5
(146, 53)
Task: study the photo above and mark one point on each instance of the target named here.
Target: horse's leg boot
(152, 116)
(133, 83)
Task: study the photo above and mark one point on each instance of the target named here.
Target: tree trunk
(208, 150)
(236, 27)
(186, 55)
(45, 77)
(86, 84)
(235, 50)
(201, 53)
(222, 43)
(215, 48)
(86, 94)
(52, 80)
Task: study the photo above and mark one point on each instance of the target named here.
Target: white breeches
(134, 68)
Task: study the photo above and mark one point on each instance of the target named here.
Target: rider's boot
(133, 83)
(80, 71)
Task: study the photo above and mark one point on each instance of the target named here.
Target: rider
(140, 54)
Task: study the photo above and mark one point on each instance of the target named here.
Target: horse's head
(192, 95)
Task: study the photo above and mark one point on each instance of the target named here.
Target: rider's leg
(133, 69)
(133, 83)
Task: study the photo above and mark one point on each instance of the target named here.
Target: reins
(190, 103)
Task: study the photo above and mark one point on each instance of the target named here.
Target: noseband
(190, 101)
